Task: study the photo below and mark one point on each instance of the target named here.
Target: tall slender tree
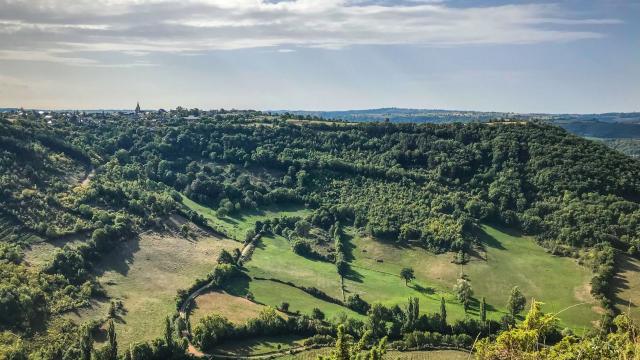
(168, 333)
(412, 312)
(112, 351)
(443, 314)
(86, 342)
(483, 310)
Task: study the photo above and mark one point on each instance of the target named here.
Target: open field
(237, 309)
(145, 275)
(41, 252)
(235, 226)
(626, 285)
(273, 294)
(509, 260)
(260, 345)
(273, 258)
(406, 355)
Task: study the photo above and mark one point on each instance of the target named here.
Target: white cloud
(68, 32)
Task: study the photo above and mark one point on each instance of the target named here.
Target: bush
(357, 304)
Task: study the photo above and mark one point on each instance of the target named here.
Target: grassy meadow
(508, 260)
(237, 309)
(235, 226)
(145, 275)
(273, 258)
(273, 294)
(626, 286)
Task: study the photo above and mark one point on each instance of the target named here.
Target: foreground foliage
(531, 339)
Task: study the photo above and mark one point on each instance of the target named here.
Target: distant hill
(446, 116)
(608, 126)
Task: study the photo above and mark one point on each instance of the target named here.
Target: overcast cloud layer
(76, 32)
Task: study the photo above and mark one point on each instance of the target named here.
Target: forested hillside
(101, 180)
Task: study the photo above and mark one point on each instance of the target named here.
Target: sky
(563, 56)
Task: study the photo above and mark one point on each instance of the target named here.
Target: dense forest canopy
(444, 178)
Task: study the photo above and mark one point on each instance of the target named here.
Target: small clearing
(237, 309)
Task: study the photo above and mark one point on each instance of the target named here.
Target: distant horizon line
(325, 111)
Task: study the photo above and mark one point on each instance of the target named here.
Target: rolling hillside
(250, 234)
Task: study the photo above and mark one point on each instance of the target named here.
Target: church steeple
(138, 108)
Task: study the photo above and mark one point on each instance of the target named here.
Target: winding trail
(183, 312)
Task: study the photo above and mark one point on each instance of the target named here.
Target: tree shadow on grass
(238, 285)
(120, 258)
(476, 254)
(421, 289)
(490, 241)
(348, 247)
(625, 264)
(229, 220)
(353, 275)
(250, 347)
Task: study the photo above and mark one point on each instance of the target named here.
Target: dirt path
(245, 255)
(88, 178)
(247, 250)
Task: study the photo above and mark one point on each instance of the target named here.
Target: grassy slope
(274, 258)
(236, 309)
(509, 260)
(273, 294)
(627, 286)
(558, 282)
(146, 274)
(236, 226)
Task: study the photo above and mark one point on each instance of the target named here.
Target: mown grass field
(510, 260)
(236, 226)
(273, 258)
(273, 294)
(237, 309)
(145, 275)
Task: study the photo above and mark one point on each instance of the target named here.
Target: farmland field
(235, 308)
